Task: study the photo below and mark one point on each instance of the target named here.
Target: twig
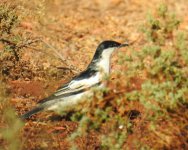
(15, 47)
(73, 68)
(54, 49)
(27, 43)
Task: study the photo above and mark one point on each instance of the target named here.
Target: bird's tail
(32, 112)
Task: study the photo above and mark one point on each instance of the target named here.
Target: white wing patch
(76, 85)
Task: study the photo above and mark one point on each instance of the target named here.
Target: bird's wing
(73, 86)
(77, 85)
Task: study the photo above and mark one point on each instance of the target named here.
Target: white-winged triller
(72, 93)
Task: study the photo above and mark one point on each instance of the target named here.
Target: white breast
(104, 63)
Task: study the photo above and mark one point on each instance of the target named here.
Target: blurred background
(45, 43)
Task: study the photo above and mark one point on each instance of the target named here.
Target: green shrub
(10, 132)
(160, 27)
(161, 67)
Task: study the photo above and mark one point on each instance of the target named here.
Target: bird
(71, 93)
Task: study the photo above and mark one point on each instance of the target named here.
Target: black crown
(108, 44)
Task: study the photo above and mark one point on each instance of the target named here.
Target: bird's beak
(123, 45)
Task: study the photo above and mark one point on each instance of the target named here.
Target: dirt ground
(75, 28)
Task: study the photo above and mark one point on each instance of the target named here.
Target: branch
(62, 58)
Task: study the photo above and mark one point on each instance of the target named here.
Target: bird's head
(106, 48)
(101, 59)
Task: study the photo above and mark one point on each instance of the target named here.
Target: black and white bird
(72, 93)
